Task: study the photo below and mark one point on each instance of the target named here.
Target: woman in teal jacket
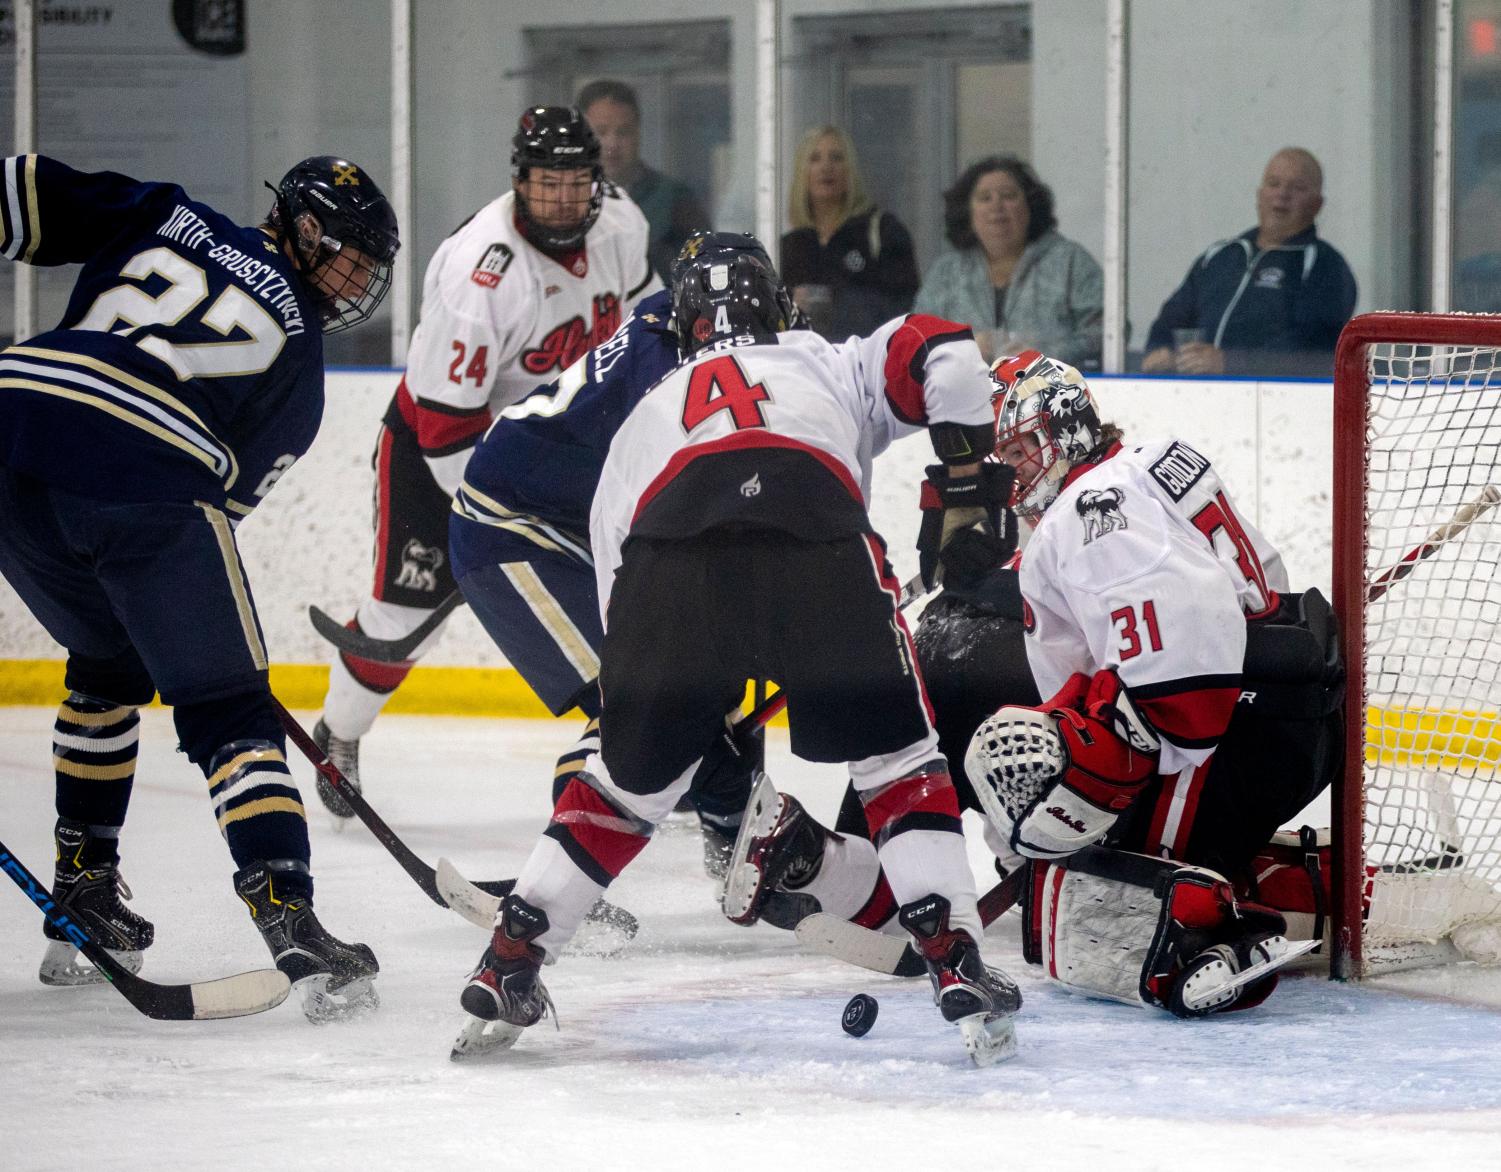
(1011, 276)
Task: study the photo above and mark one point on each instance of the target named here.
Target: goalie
(1194, 705)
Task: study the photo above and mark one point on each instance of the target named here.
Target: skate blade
(479, 1038)
(63, 966)
(320, 1006)
(989, 1038)
(742, 880)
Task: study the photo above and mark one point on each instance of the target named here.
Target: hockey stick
(236, 996)
(881, 953)
(1466, 515)
(364, 646)
(421, 873)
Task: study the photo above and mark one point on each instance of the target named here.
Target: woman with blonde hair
(849, 264)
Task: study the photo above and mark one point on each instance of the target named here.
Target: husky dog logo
(1100, 510)
(419, 566)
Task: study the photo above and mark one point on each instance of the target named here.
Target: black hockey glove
(967, 527)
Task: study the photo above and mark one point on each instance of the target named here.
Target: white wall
(310, 542)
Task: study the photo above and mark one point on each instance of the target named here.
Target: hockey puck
(859, 1015)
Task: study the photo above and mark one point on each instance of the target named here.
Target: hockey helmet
(723, 286)
(556, 138)
(1045, 401)
(344, 236)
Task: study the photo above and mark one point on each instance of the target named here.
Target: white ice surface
(706, 1046)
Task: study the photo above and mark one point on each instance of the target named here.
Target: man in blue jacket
(1271, 301)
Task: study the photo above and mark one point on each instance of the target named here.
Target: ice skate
(779, 848)
(1222, 976)
(981, 1000)
(345, 756)
(505, 993)
(335, 980)
(91, 892)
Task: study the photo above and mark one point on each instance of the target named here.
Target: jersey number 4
(720, 385)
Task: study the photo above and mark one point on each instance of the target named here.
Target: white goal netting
(1432, 660)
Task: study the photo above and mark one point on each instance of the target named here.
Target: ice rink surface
(704, 1046)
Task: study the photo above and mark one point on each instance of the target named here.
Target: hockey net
(1417, 542)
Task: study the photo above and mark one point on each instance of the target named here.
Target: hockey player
(185, 377)
(519, 538)
(1194, 707)
(514, 297)
(731, 540)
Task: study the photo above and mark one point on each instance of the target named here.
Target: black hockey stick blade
(365, 646)
(421, 873)
(236, 996)
(881, 953)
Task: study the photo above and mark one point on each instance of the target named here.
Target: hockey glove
(967, 527)
(1059, 780)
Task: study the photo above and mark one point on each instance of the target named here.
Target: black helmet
(347, 210)
(556, 138)
(723, 286)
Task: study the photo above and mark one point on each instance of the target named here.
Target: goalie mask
(556, 202)
(1046, 425)
(344, 237)
(725, 286)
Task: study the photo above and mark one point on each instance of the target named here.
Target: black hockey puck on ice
(859, 1015)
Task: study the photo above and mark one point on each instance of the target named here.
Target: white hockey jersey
(781, 434)
(1143, 565)
(499, 318)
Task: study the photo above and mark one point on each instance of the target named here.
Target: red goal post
(1417, 549)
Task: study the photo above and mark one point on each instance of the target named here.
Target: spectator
(850, 266)
(1011, 276)
(1272, 300)
(672, 210)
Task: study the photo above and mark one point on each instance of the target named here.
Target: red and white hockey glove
(1057, 780)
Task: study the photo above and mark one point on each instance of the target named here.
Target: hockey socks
(257, 804)
(94, 745)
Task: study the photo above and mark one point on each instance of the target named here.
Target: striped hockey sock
(257, 805)
(94, 744)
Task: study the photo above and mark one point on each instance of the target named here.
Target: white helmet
(1048, 400)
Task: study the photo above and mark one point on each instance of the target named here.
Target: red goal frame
(1351, 406)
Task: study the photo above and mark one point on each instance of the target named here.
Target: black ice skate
(91, 892)
(345, 756)
(779, 849)
(334, 979)
(982, 1000)
(505, 993)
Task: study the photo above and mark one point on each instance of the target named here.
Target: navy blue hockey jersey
(543, 454)
(189, 362)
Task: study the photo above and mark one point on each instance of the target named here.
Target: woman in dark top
(849, 265)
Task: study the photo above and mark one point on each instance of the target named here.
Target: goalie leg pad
(1134, 929)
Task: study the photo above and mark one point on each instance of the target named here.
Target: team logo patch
(347, 175)
(702, 328)
(492, 265)
(566, 343)
(419, 566)
(580, 266)
(1100, 510)
(1178, 469)
(751, 487)
(854, 261)
(1269, 278)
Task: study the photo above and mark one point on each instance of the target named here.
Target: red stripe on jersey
(906, 362)
(739, 441)
(609, 837)
(438, 426)
(1174, 811)
(921, 793)
(1196, 718)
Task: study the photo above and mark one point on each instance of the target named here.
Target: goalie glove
(967, 529)
(1055, 781)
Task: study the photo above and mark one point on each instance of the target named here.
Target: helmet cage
(556, 138)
